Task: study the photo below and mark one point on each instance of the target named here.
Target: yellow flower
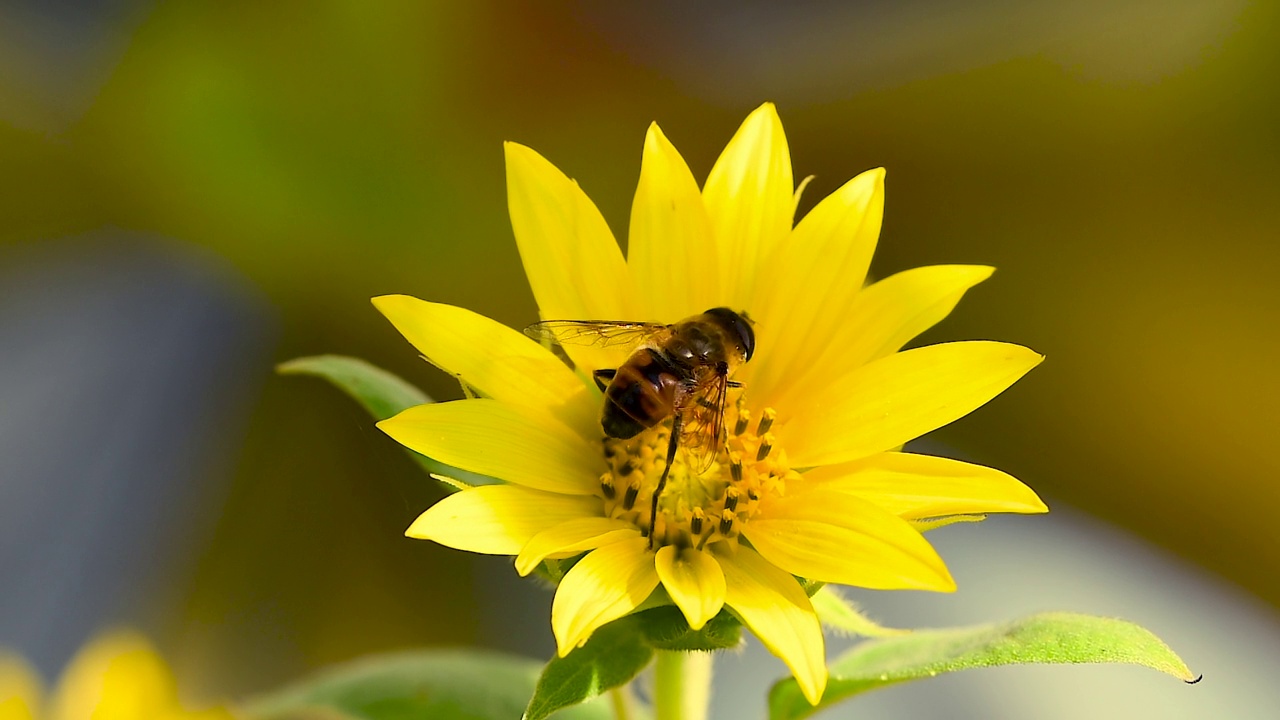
(117, 676)
(810, 481)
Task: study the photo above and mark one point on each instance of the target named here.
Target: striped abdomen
(641, 394)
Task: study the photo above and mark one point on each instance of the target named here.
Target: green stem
(681, 685)
(621, 700)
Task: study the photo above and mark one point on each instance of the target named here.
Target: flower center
(694, 508)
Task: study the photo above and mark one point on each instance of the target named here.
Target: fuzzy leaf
(838, 613)
(665, 628)
(382, 395)
(614, 654)
(1055, 638)
(437, 684)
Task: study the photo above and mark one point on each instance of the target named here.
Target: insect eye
(740, 325)
(744, 328)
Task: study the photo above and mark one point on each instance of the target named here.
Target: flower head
(809, 479)
(117, 676)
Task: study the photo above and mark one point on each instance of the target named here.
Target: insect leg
(672, 445)
(603, 376)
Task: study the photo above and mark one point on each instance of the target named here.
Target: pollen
(696, 509)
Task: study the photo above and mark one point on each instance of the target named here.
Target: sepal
(665, 628)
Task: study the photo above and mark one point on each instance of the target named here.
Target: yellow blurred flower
(117, 676)
(810, 481)
(20, 689)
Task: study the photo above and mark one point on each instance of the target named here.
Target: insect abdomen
(641, 395)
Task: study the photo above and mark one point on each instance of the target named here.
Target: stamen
(766, 421)
(695, 508)
(731, 496)
(766, 444)
(726, 522)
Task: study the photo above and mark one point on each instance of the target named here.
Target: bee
(678, 371)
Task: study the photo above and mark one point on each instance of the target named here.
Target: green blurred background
(1118, 162)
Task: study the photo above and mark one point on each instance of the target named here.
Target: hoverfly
(679, 371)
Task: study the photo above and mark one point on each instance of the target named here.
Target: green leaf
(1056, 638)
(437, 684)
(840, 614)
(383, 395)
(665, 628)
(614, 654)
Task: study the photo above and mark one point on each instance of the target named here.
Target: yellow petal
(607, 584)
(20, 689)
(894, 310)
(499, 519)
(895, 399)
(884, 317)
(515, 444)
(574, 265)
(117, 676)
(750, 198)
(922, 486)
(501, 363)
(571, 537)
(812, 278)
(694, 581)
(840, 538)
(671, 251)
(770, 602)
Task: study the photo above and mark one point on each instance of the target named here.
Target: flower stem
(620, 697)
(681, 685)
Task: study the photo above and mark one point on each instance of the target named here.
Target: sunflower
(809, 482)
(116, 676)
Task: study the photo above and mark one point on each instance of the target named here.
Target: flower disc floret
(696, 509)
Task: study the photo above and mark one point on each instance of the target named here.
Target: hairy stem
(620, 699)
(681, 685)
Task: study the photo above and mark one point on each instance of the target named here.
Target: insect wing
(597, 333)
(702, 430)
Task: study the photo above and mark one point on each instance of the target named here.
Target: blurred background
(193, 191)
